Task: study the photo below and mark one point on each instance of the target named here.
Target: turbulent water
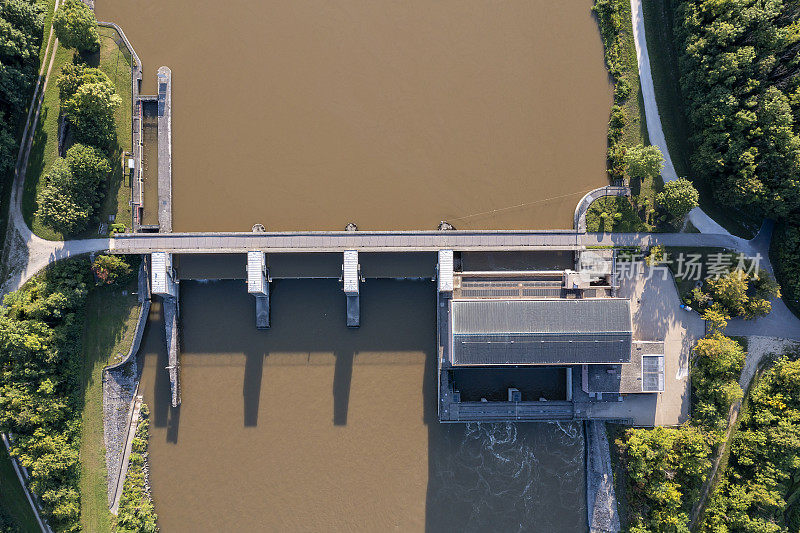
(509, 477)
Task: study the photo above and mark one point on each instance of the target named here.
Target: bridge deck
(401, 241)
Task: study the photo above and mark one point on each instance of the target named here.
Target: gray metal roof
(541, 332)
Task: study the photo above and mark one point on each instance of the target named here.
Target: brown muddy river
(309, 114)
(312, 426)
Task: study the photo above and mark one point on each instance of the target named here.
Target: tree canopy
(73, 189)
(91, 111)
(716, 365)
(20, 39)
(678, 197)
(759, 490)
(643, 162)
(76, 27)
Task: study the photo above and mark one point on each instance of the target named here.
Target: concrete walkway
(697, 216)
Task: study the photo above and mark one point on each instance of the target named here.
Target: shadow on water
(342, 377)
(251, 387)
(479, 477)
(154, 341)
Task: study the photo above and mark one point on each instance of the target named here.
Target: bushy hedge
(136, 511)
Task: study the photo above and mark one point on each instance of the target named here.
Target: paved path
(698, 218)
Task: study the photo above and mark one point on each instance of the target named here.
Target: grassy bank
(627, 124)
(114, 61)
(111, 314)
(13, 502)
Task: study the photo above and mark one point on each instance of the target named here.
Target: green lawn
(661, 47)
(115, 62)
(636, 128)
(45, 148)
(13, 502)
(110, 322)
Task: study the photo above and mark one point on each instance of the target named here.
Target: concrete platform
(262, 311)
(165, 149)
(353, 311)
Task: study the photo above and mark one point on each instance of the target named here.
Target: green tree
(717, 319)
(57, 207)
(737, 294)
(716, 366)
(8, 148)
(76, 27)
(665, 468)
(73, 188)
(110, 269)
(74, 75)
(90, 170)
(678, 197)
(91, 111)
(643, 162)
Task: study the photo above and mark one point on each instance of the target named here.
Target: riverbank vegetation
(89, 93)
(630, 158)
(45, 340)
(665, 468)
(759, 490)
(136, 511)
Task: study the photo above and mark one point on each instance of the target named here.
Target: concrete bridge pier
(165, 283)
(351, 277)
(258, 286)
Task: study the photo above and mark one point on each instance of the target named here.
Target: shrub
(110, 269)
